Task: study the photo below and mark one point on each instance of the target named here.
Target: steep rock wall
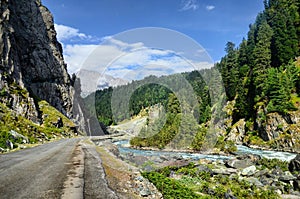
(31, 60)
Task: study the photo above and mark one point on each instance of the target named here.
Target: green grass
(35, 133)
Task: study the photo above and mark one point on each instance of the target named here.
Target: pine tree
(242, 60)
(262, 57)
(283, 17)
(278, 91)
(230, 70)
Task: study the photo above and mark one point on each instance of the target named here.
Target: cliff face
(31, 62)
(269, 130)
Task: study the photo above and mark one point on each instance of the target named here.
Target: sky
(120, 27)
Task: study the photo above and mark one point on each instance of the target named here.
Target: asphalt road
(37, 172)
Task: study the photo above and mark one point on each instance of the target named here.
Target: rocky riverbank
(251, 173)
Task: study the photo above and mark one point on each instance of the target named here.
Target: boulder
(248, 171)
(203, 168)
(2, 150)
(294, 164)
(289, 196)
(16, 136)
(224, 171)
(296, 184)
(287, 177)
(9, 144)
(239, 164)
(262, 172)
(254, 181)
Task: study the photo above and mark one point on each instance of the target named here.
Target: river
(125, 148)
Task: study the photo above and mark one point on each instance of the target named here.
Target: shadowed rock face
(31, 59)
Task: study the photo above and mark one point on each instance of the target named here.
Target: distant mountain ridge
(91, 81)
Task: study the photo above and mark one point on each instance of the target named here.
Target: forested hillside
(261, 77)
(147, 92)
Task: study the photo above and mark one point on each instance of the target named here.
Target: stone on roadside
(16, 136)
(9, 144)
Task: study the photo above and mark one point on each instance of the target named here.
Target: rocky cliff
(31, 63)
(269, 130)
(36, 92)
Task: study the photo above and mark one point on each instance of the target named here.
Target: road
(41, 172)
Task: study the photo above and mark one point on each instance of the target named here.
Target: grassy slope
(35, 133)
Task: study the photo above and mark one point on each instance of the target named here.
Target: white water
(285, 156)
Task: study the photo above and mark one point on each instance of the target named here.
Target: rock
(287, 176)
(239, 164)
(9, 144)
(203, 168)
(16, 136)
(276, 124)
(248, 171)
(139, 178)
(289, 196)
(278, 191)
(113, 149)
(254, 181)
(237, 132)
(296, 184)
(262, 172)
(252, 157)
(266, 181)
(2, 150)
(224, 171)
(177, 163)
(294, 164)
(59, 123)
(229, 195)
(145, 192)
(138, 160)
(294, 117)
(148, 168)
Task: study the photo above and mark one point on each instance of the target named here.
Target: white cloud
(121, 59)
(189, 5)
(210, 7)
(75, 55)
(65, 33)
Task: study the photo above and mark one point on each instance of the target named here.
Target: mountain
(92, 81)
(36, 92)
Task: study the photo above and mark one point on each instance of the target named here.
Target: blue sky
(211, 23)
